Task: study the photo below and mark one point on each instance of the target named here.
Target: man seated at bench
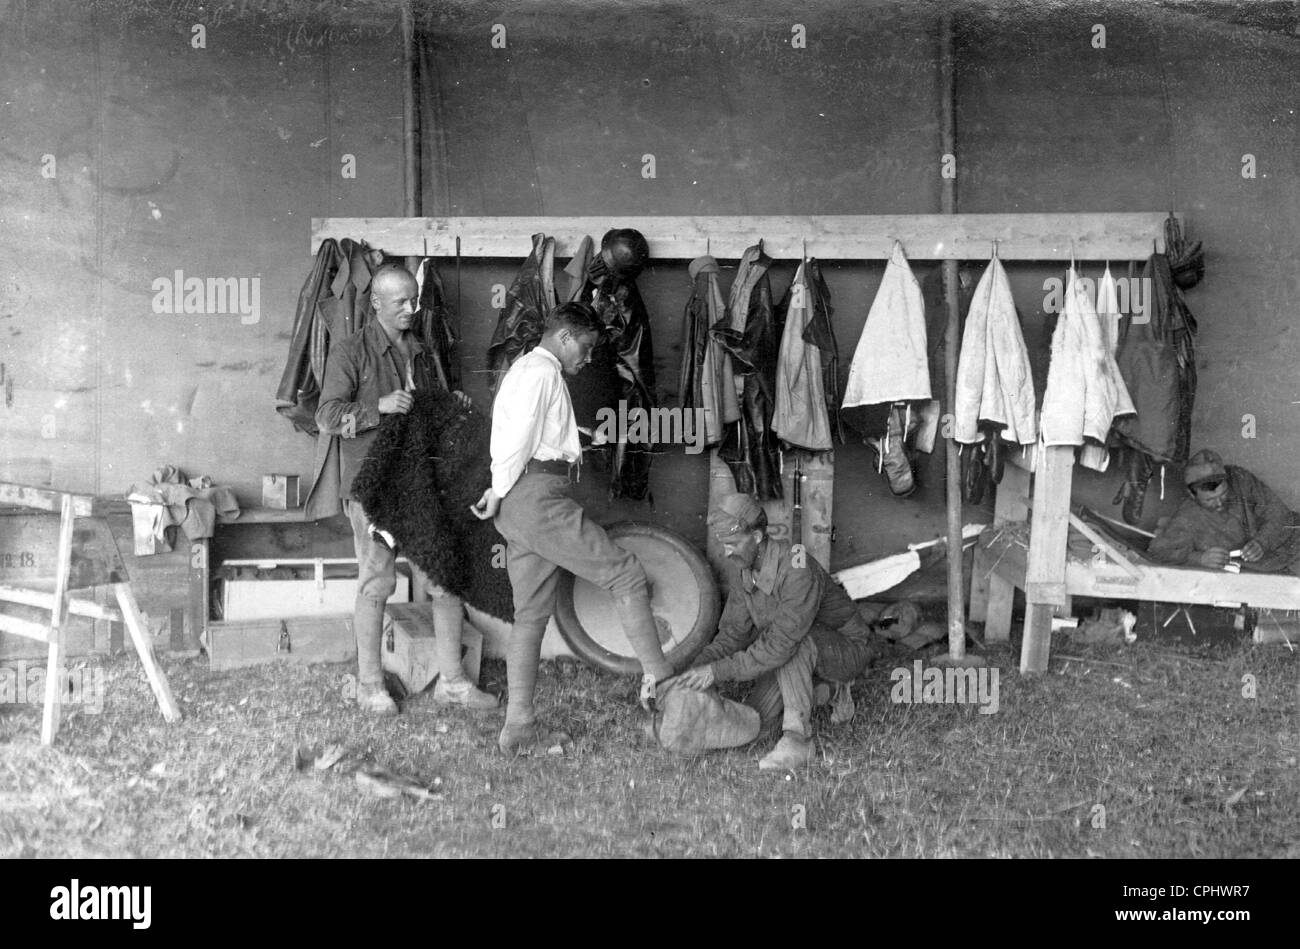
(1228, 510)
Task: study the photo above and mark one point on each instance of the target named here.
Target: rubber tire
(701, 632)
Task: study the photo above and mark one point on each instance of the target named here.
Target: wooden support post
(1010, 507)
(1035, 649)
(1045, 571)
(197, 610)
(135, 625)
(410, 117)
(58, 613)
(952, 343)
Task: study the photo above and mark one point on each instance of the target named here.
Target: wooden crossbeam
(45, 601)
(26, 628)
(1085, 236)
(44, 499)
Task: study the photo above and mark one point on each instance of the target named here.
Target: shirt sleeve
(734, 628)
(1272, 517)
(338, 393)
(798, 596)
(517, 418)
(1175, 542)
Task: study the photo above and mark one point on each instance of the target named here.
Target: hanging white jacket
(1084, 389)
(994, 382)
(891, 363)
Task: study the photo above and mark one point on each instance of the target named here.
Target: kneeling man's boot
(792, 752)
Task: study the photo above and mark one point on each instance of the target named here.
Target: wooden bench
(1050, 579)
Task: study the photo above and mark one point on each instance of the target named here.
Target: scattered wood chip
(329, 757)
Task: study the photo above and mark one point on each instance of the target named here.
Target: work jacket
(332, 304)
(1085, 391)
(706, 382)
(806, 414)
(361, 370)
(749, 335)
(891, 361)
(994, 383)
(528, 301)
(773, 608)
(1251, 511)
(1157, 359)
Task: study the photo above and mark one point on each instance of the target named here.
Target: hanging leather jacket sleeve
(299, 389)
(530, 298)
(751, 340)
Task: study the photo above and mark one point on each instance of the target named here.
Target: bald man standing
(371, 374)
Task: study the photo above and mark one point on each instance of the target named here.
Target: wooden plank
(1107, 547)
(25, 628)
(818, 497)
(54, 667)
(46, 601)
(1035, 649)
(1010, 506)
(198, 613)
(1049, 527)
(144, 649)
(44, 499)
(1186, 585)
(1118, 236)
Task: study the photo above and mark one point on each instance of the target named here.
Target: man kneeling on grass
(785, 620)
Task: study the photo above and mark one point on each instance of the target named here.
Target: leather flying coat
(806, 414)
(749, 335)
(333, 302)
(622, 364)
(706, 379)
(530, 298)
(621, 371)
(1157, 358)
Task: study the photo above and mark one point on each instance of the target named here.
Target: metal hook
(708, 247)
(995, 249)
(805, 250)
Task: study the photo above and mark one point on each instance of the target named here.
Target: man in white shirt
(535, 449)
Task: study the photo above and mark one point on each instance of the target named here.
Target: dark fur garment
(423, 472)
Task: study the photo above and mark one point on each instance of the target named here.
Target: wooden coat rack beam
(1118, 236)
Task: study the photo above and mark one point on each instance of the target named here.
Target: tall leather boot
(643, 633)
(368, 627)
(453, 686)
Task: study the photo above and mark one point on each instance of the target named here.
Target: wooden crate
(302, 639)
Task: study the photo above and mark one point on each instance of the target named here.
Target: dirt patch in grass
(1147, 751)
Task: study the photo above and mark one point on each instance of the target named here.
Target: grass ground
(1159, 737)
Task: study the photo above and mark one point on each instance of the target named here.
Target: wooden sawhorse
(97, 562)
